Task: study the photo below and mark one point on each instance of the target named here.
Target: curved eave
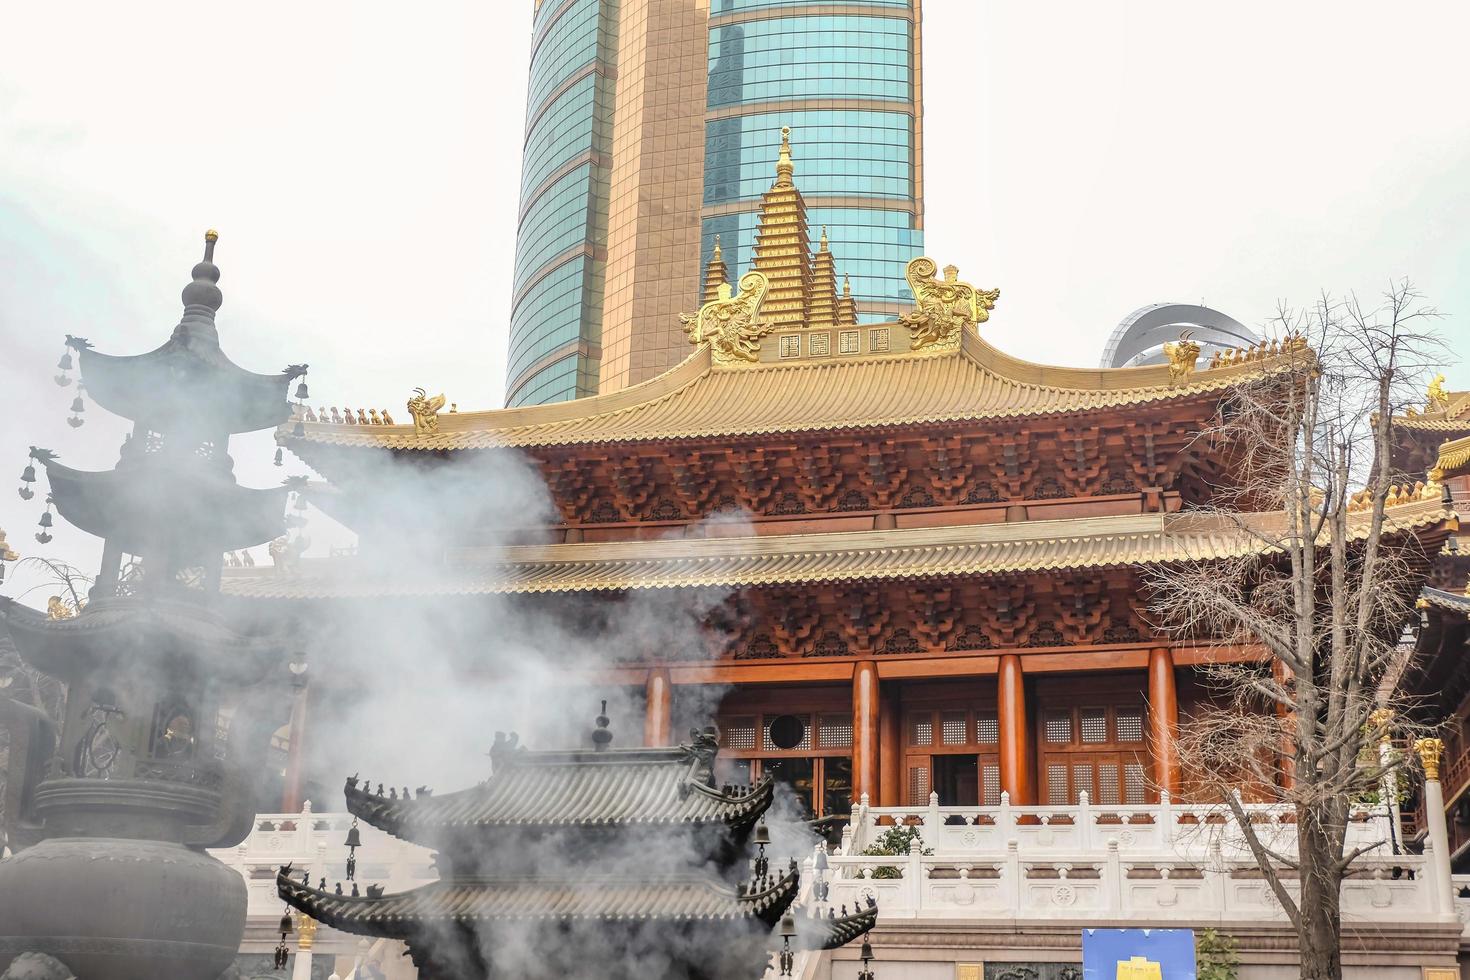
(1448, 601)
(840, 932)
(403, 915)
(1031, 547)
(177, 382)
(128, 629)
(409, 820)
(1454, 458)
(180, 505)
(697, 400)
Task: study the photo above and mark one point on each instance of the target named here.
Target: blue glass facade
(557, 284)
(857, 167)
(844, 81)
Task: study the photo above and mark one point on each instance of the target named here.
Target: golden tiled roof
(1451, 414)
(697, 399)
(1454, 459)
(853, 556)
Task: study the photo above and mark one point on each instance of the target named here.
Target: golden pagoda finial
(718, 255)
(211, 235)
(784, 167)
(943, 308)
(846, 284)
(731, 325)
(822, 242)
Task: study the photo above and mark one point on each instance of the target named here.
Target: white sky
(361, 161)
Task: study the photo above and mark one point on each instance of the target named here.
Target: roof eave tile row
(903, 554)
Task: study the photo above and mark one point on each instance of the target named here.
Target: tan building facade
(651, 127)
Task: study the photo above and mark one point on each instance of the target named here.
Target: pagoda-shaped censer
(169, 709)
(617, 863)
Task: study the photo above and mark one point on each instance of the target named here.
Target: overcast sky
(361, 161)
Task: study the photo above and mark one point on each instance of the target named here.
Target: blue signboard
(1137, 954)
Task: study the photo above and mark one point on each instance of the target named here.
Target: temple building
(939, 557)
(667, 888)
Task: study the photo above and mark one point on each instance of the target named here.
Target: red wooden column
(1015, 752)
(890, 748)
(865, 712)
(658, 699)
(295, 754)
(1163, 721)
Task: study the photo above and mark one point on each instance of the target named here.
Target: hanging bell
(65, 362)
(286, 926)
(301, 392)
(28, 475)
(46, 519)
(354, 839)
(77, 405)
(278, 458)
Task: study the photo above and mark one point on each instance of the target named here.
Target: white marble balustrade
(1164, 829)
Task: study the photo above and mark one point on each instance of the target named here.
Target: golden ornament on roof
(425, 411)
(943, 307)
(1438, 398)
(1182, 354)
(56, 609)
(5, 553)
(731, 325)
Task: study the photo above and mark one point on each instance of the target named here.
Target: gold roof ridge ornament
(731, 325)
(425, 411)
(1183, 354)
(1437, 399)
(944, 307)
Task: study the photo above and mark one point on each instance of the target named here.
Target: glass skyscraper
(652, 127)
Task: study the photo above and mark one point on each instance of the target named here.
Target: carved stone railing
(1164, 829)
(1110, 886)
(316, 842)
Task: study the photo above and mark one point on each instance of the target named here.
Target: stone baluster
(1012, 874)
(1005, 820)
(1083, 821)
(1113, 879)
(914, 873)
(1166, 819)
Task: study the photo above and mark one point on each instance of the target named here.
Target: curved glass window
(563, 132)
(567, 45)
(551, 313)
(838, 56)
(719, 7)
(557, 221)
(843, 152)
(554, 383)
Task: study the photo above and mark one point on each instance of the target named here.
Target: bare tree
(1323, 590)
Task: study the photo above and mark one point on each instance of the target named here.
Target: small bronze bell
(301, 392)
(65, 362)
(77, 405)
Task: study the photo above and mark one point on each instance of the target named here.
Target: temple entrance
(957, 780)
